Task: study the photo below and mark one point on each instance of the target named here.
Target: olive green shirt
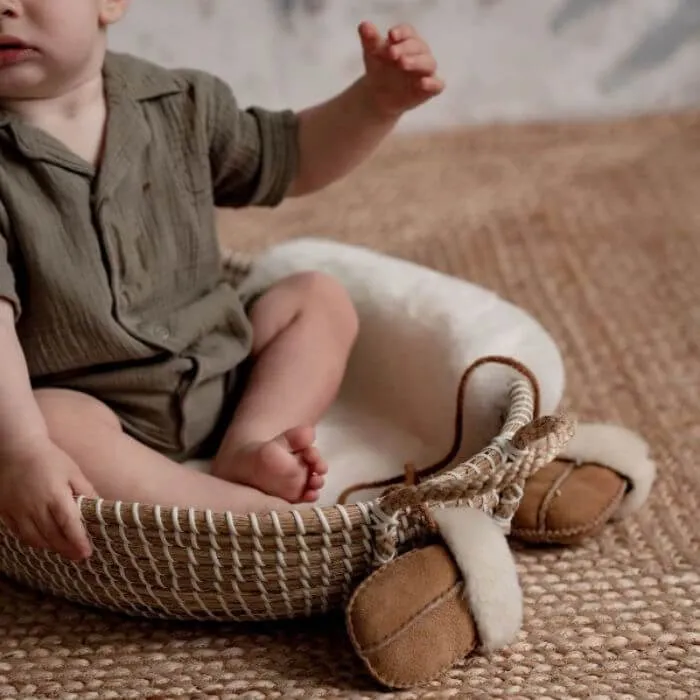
(115, 274)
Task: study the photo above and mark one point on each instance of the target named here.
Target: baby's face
(51, 45)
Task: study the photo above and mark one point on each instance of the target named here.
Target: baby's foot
(289, 466)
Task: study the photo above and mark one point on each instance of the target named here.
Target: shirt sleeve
(253, 152)
(8, 290)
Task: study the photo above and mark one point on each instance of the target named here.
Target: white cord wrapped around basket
(158, 561)
(174, 563)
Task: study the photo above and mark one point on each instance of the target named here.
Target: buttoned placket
(127, 138)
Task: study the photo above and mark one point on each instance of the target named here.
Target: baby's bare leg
(303, 329)
(120, 468)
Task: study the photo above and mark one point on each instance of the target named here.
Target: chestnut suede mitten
(604, 473)
(410, 621)
(566, 504)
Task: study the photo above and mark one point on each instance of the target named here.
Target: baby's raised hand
(401, 71)
(37, 489)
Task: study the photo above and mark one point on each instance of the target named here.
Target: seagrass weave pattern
(157, 561)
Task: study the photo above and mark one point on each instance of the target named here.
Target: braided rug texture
(595, 229)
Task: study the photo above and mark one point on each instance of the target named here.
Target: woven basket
(167, 562)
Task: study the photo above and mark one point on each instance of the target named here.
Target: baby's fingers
(410, 47)
(372, 41)
(431, 85)
(68, 535)
(29, 532)
(424, 64)
(9, 523)
(401, 33)
(81, 486)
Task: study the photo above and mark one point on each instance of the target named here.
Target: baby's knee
(325, 293)
(62, 408)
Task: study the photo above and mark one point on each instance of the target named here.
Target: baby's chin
(25, 82)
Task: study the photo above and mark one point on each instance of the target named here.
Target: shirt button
(161, 332)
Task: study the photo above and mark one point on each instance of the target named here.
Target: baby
(124, 350)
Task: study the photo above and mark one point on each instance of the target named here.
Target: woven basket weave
(167, 562)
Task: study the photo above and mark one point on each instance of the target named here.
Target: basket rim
(201, 521)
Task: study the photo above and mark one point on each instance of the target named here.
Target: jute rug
(596, 230)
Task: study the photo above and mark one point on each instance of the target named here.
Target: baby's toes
(309, 496)
(316, 482)
(313, 460)
(300, 439)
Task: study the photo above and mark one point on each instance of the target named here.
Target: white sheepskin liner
(419, 331)
(490, 579)
(620, 450)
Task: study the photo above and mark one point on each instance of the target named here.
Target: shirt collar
(140, 79)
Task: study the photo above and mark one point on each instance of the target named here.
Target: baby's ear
(112, 11)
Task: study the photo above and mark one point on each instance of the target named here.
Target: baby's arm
(37, 480)
(21, 422)
(338, 135)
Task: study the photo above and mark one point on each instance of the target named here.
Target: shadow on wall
(655, 47)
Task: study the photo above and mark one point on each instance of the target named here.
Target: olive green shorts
(179, 406)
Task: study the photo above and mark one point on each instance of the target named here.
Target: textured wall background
(503, 59)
